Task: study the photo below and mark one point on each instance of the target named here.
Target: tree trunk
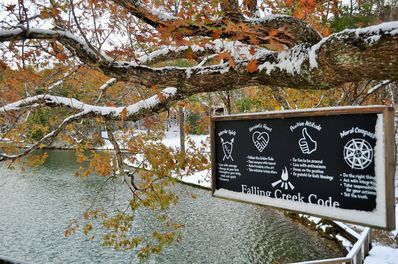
(182, 131)
(228, 102)
(210, 104)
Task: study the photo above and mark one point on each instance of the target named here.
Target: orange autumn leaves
(302, 7)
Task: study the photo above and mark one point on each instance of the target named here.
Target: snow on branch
(77, 45)
(105, 87)
(378, 86)
(154, 104)
(135, 111)
(46, 140)
(153, 17)
(351, 55)
(236, 49)
(298, 31)
(292, 61)
(368, 35)
(348, 56)
(108, 83)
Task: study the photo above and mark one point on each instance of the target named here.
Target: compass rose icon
(358, 153)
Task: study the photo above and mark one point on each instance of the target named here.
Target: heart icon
(260, 140)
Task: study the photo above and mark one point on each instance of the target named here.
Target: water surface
(36, 206)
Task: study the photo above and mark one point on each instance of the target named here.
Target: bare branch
(119, 158)
(62, 79)
(82, 32)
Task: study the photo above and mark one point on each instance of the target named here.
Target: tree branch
(134, 112)
(152, 105)
(119, 158)
(105, 87)
(150, 16)
(46, 140)
(76, 45)
(61, 80)
(287, 30)
(378, 86)
(348, 56)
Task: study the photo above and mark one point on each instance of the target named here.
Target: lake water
(36, 206)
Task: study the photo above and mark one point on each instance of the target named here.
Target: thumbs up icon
(307, 144)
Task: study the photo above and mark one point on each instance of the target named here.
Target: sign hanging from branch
(337, 163)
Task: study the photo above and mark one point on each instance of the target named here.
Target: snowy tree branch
(75, 44)
(105, 87)
(154, 104)
(288, 31)
(378, 86)
(46, 140)
(351, 55)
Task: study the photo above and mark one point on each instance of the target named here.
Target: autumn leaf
(190, 54)
(44, 14)
(253, 39)
(252, 66)
(61, 56)
(227, 57)
(140, 38)
(55, 11)
(222, 56)
(178, 38)
(37, 160)
(161, 96)
(216, 33)
(124, 113)
(87, 228)
(110, 104)
(231, 62)
(10, 8)
(273, 33)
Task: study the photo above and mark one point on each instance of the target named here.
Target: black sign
(304, 163)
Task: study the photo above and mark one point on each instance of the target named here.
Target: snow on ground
(382, 255)
(172, 139)
(107, 143)
(201, 178)
(395, 232)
